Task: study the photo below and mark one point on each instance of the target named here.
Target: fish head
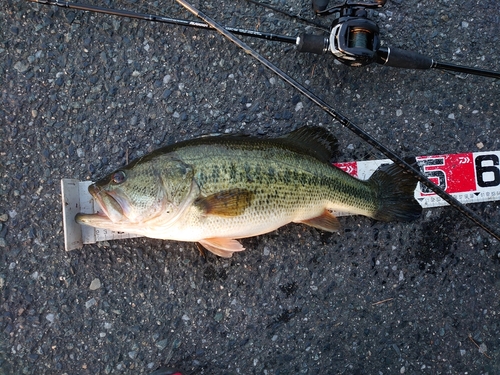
(149, 190)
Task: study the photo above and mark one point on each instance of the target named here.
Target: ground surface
(81, 93)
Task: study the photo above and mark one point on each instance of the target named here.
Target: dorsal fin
(314, 141)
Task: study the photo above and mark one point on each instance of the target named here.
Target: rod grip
(400, 58)
(317, 44)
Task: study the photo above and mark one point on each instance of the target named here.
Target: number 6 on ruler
(487, 172)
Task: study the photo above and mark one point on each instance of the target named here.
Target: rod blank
(163, 19)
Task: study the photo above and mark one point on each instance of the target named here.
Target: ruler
(75, 199)
(470, 177)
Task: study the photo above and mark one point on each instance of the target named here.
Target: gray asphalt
(83, 93)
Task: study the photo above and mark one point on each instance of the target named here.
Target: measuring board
(470, 177)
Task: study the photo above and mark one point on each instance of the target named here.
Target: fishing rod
(162, 19)
(353, 38)
(210, 24)
(467, 212)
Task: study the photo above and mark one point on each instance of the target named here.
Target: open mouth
(111, 209)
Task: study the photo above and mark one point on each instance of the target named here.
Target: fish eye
(119, 177)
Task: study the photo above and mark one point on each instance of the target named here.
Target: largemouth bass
(215, 190)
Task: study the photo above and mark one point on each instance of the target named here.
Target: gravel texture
(82, 93)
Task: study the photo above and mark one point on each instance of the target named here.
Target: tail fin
(394, 188)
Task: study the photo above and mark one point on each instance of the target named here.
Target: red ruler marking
(453, 173)
(474, 175)
(350, 167)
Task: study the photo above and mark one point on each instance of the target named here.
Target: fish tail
(394, 188)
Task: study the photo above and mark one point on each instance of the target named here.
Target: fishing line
(467, 212)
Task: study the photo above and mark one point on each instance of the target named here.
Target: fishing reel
(354, 39)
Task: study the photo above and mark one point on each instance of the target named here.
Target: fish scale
(215, 190)
(275, 184)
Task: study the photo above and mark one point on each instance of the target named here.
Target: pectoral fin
(227, 203)
(223, 247)
(326, 221)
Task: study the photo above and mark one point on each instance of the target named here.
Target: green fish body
(215, 190)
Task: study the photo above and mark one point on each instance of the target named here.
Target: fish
(215, 190)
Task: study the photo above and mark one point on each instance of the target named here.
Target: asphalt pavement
(83, 93)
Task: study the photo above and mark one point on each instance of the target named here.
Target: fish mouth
(112, 211)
